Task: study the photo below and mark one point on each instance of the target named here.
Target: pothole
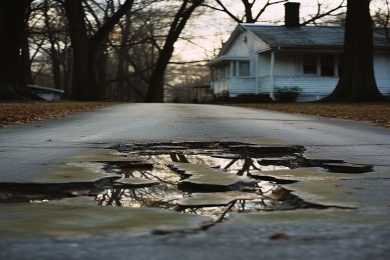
(204, 178)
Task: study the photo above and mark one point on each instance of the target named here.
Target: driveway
(28, 152)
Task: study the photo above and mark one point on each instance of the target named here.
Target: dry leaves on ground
(25, 112)
(378, 113)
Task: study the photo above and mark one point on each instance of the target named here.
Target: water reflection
(167, 194)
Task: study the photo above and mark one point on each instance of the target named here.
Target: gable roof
(314, 36)
(327, 37)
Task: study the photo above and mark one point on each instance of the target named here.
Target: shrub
(252, 98)
(287, 94)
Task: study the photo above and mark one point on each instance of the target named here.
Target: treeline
(114, 49)
(108, 49)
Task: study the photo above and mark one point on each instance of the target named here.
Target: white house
(260, 59)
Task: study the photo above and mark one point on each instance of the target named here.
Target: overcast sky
(212, 28)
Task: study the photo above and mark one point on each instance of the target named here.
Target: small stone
(136, 182)
(348, 167)
(279, 236)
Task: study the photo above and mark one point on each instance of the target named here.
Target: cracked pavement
(28, 151)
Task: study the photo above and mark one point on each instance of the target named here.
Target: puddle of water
(162, 168)
(217, 156)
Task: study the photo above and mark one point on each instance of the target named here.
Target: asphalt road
(28, 150)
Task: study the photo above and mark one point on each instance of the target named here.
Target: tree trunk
(156, 84)
(54, 54)
(12, 21)
(122, 68)
(82, 88)
(357, 82)
(25, 58)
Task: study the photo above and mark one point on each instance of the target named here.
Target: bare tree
(325, 12)
(180, 18)
(253, 10)
(381, 18)
(250, 14)
(84, 86)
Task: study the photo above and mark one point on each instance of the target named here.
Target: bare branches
(250, 15)
(321, 14)
(266, 5)
(112, 21)
(224, 9)
(187, 62)
(381, 17)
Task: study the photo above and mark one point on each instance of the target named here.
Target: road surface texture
(362, 231)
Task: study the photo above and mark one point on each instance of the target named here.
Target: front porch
(311, 87)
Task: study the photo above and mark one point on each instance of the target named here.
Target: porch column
(271, 76)
(257, 72)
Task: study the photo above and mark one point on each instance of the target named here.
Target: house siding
(242, 86)
(382, 72)
(287, 70)
(288, 74)
(311, 87)
(246, 44)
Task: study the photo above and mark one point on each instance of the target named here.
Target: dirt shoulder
(377, 113)
(26, 112)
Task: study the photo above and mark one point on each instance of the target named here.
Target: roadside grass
(26, 112)
(377, 113)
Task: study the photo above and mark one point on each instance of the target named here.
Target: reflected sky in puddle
(166, 194)
(140, 162)
(152, 176)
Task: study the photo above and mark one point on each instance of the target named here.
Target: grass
(377, 113)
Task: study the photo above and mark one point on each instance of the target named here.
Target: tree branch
(225, 10)
(187, 62)
(320, 15)
(111, 22)
(266, 5)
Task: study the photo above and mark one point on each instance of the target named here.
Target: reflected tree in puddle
(140, 177)
(167, 194)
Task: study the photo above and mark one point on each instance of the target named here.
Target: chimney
(291, 16)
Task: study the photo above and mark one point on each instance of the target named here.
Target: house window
(324, 65)
(234, 68)
(327, 65)
(310, 64)
(243, 68)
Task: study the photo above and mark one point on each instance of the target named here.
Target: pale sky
(213, 28)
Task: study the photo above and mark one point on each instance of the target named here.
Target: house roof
(305, 36)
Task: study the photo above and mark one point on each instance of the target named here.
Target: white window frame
(235, 69)
(319, 64)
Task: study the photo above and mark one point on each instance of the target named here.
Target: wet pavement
(158, 181)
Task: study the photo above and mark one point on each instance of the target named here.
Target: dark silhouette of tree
(156, 83)
(336, 13)
(253, 10)
(85, 47)
(357, 82)
(12, 47)
(250, 15)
